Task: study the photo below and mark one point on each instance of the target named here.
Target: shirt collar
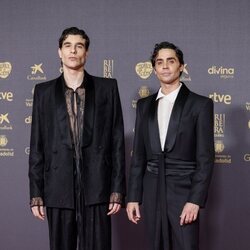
(171, 97)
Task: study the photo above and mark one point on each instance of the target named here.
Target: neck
(73, 78)
(168, 88)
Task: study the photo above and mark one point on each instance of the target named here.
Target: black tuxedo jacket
(189, 139)
(51, 153)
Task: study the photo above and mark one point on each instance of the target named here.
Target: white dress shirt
(165, 107)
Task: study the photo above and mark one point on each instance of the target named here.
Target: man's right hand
(133, 212)
(38, 212)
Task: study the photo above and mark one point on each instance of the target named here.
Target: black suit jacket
(51, 154)
(189, 139)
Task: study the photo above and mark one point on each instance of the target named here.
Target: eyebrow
(67, 43)
(169, 58)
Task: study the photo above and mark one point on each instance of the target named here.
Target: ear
(182, 67)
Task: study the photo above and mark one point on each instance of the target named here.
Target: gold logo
(247, 157)
(4, 118)
(219, 146)
(221, 71)
(185, 75)
(36, 68)
(248, 106)
(144, 91)
(221, 98)
(5, 69)
(6, 96)
(28, 119)
(27, 150)
(3, 140)
(219, 125)
(144, 69)
(37, 73)
(108, 67)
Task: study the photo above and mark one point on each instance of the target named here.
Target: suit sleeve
(204, 155)
(118, 183)
(36, 157)
(139, 162)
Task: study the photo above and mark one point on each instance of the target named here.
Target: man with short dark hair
(77, 160)
(173, 156)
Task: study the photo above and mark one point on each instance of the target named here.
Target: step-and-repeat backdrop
(215, 38)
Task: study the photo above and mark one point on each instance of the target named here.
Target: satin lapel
(89, 110)
(61, 112)
(153, 128)
(175, 117)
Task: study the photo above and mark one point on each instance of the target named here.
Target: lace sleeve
(36, 201)
(116, 198)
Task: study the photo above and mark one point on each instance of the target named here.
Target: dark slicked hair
(166, 45)
(74, 31)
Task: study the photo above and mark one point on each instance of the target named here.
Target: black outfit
(77, 160)
(164, 180)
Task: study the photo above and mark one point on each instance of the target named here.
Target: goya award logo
(143, 92)
(222, 72)
(185, 77)
(220, 156)
(5, 69)
(108, 68)
(37, 73)
(144, 69)
(5, 122)
(5, 152)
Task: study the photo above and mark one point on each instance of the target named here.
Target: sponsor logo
(221, 98)
(221, 158)
(29, 101)
(5, 152)
(143, 92)
(5, 69)
(144, 69)
(28, 119)
(108, 68)
(219, 125)
(37, 73)
(185, 77)
(6, 96)
(5, 122)
(27, 150)
(248, 106)
(247, 157)
(223, 72)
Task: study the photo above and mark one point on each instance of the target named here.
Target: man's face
(73, 52)
(167, 67)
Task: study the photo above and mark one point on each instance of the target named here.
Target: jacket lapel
(153, 128)
(175, 117)
(61, 112)
(89, 109)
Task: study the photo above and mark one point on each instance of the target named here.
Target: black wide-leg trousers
(96, 231)
(168, 235)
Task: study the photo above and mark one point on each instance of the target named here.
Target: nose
(73, 50)
(165, 65)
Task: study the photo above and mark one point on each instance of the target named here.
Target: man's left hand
(114, 208)
(189, 213)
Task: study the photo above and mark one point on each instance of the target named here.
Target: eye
(80, 46)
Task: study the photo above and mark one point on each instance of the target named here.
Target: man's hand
(133, 212)
(114, 208)
(189, 213)
(38, 212)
